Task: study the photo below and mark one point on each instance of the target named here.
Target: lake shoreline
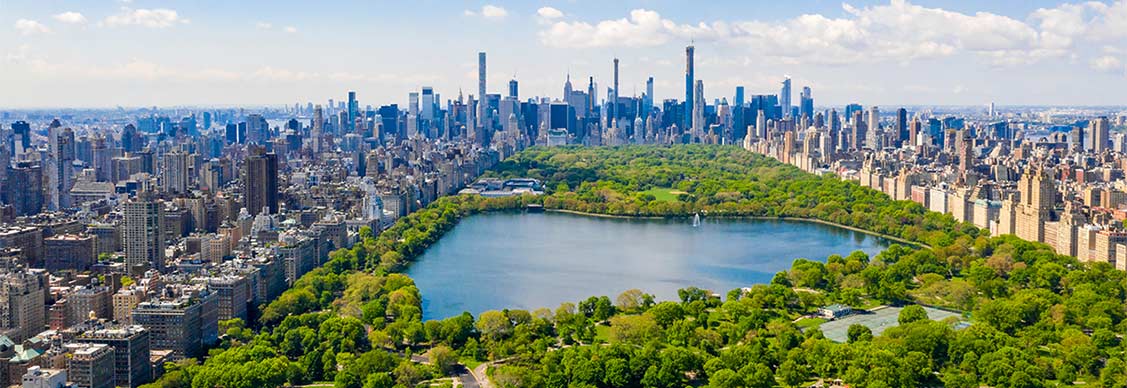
(800, 219)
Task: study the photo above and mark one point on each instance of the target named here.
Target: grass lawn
(602, 333)
(809, 322)
(664, 194)
(469, 362)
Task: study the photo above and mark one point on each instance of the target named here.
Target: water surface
(527, 261)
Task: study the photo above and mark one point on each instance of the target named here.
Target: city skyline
(167, 54)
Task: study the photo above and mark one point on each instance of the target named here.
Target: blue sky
(142, 52)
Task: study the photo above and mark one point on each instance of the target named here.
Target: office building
(185, 325)
(91, 365)
(131, 352)
(261, 181)
(23, 298)
(142, 234)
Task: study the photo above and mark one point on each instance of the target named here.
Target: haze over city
(145, 53)
(570, 194)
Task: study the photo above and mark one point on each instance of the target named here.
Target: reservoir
(514, 260)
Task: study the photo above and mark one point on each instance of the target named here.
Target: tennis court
(877, 320)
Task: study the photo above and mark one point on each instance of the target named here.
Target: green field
(664, 194)
(809, 322)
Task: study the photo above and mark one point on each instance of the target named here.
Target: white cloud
(898, 31)
(30, 27)
(549, 13)
(493, 12)
(70, 17)
(263, 25)
(152, 18)
(488, 11)
(291, 29)
(1108, 64)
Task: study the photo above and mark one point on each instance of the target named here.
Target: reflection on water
(527, 261)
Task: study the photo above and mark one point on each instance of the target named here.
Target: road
(466, 376)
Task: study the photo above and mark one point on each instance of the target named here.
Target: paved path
(468, 379)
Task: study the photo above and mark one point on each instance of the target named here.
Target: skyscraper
(23, 295)
(513, 88)
(318, 127)
(739, 99)
(261, 181)
(613, 115)
(689, 81)
(1100, 135)
(648, 99)
(428, 103)
(698, 112)
(901, 125)
(806, 103)
(784, 97)
(353, 111)
(480, 87)
(175, 173)
(142, 234)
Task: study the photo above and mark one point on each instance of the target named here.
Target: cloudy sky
(142, 52)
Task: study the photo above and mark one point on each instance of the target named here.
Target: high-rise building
(648, 99)
(612, 112)
(26, 197)
(1101, 140)
(428, 104)
(901, 126)
(175, 172)
(698, 112)
(23, 295)
(131, 352)
(806, 104)
(142, 234)
(261, 181)
(1038, 197)
(689, 84)
(480, 88)
(353, 112)
(91, 365)
(317, 131)
(784, 97)
(257, 130)
(739, 98)
(513, 88)
(185, 325)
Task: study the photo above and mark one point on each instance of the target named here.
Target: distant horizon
(818, 107)
(928, 52)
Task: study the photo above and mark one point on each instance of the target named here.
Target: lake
(526, 261)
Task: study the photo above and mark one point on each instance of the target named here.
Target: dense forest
(1037, 318)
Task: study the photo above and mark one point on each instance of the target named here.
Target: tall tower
(614, 95)
(784, 97)
(261, 181)
(689, 84)
(567, 89)
(698, 111)
(176, 172)
(318, 126)
(142, 234)
(353, 111)
(1100, 129)
(481, 87)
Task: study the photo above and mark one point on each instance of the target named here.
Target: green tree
(912, 313)
(859, 333)
(634, 329)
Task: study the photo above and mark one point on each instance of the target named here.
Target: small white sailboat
(696, 220)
